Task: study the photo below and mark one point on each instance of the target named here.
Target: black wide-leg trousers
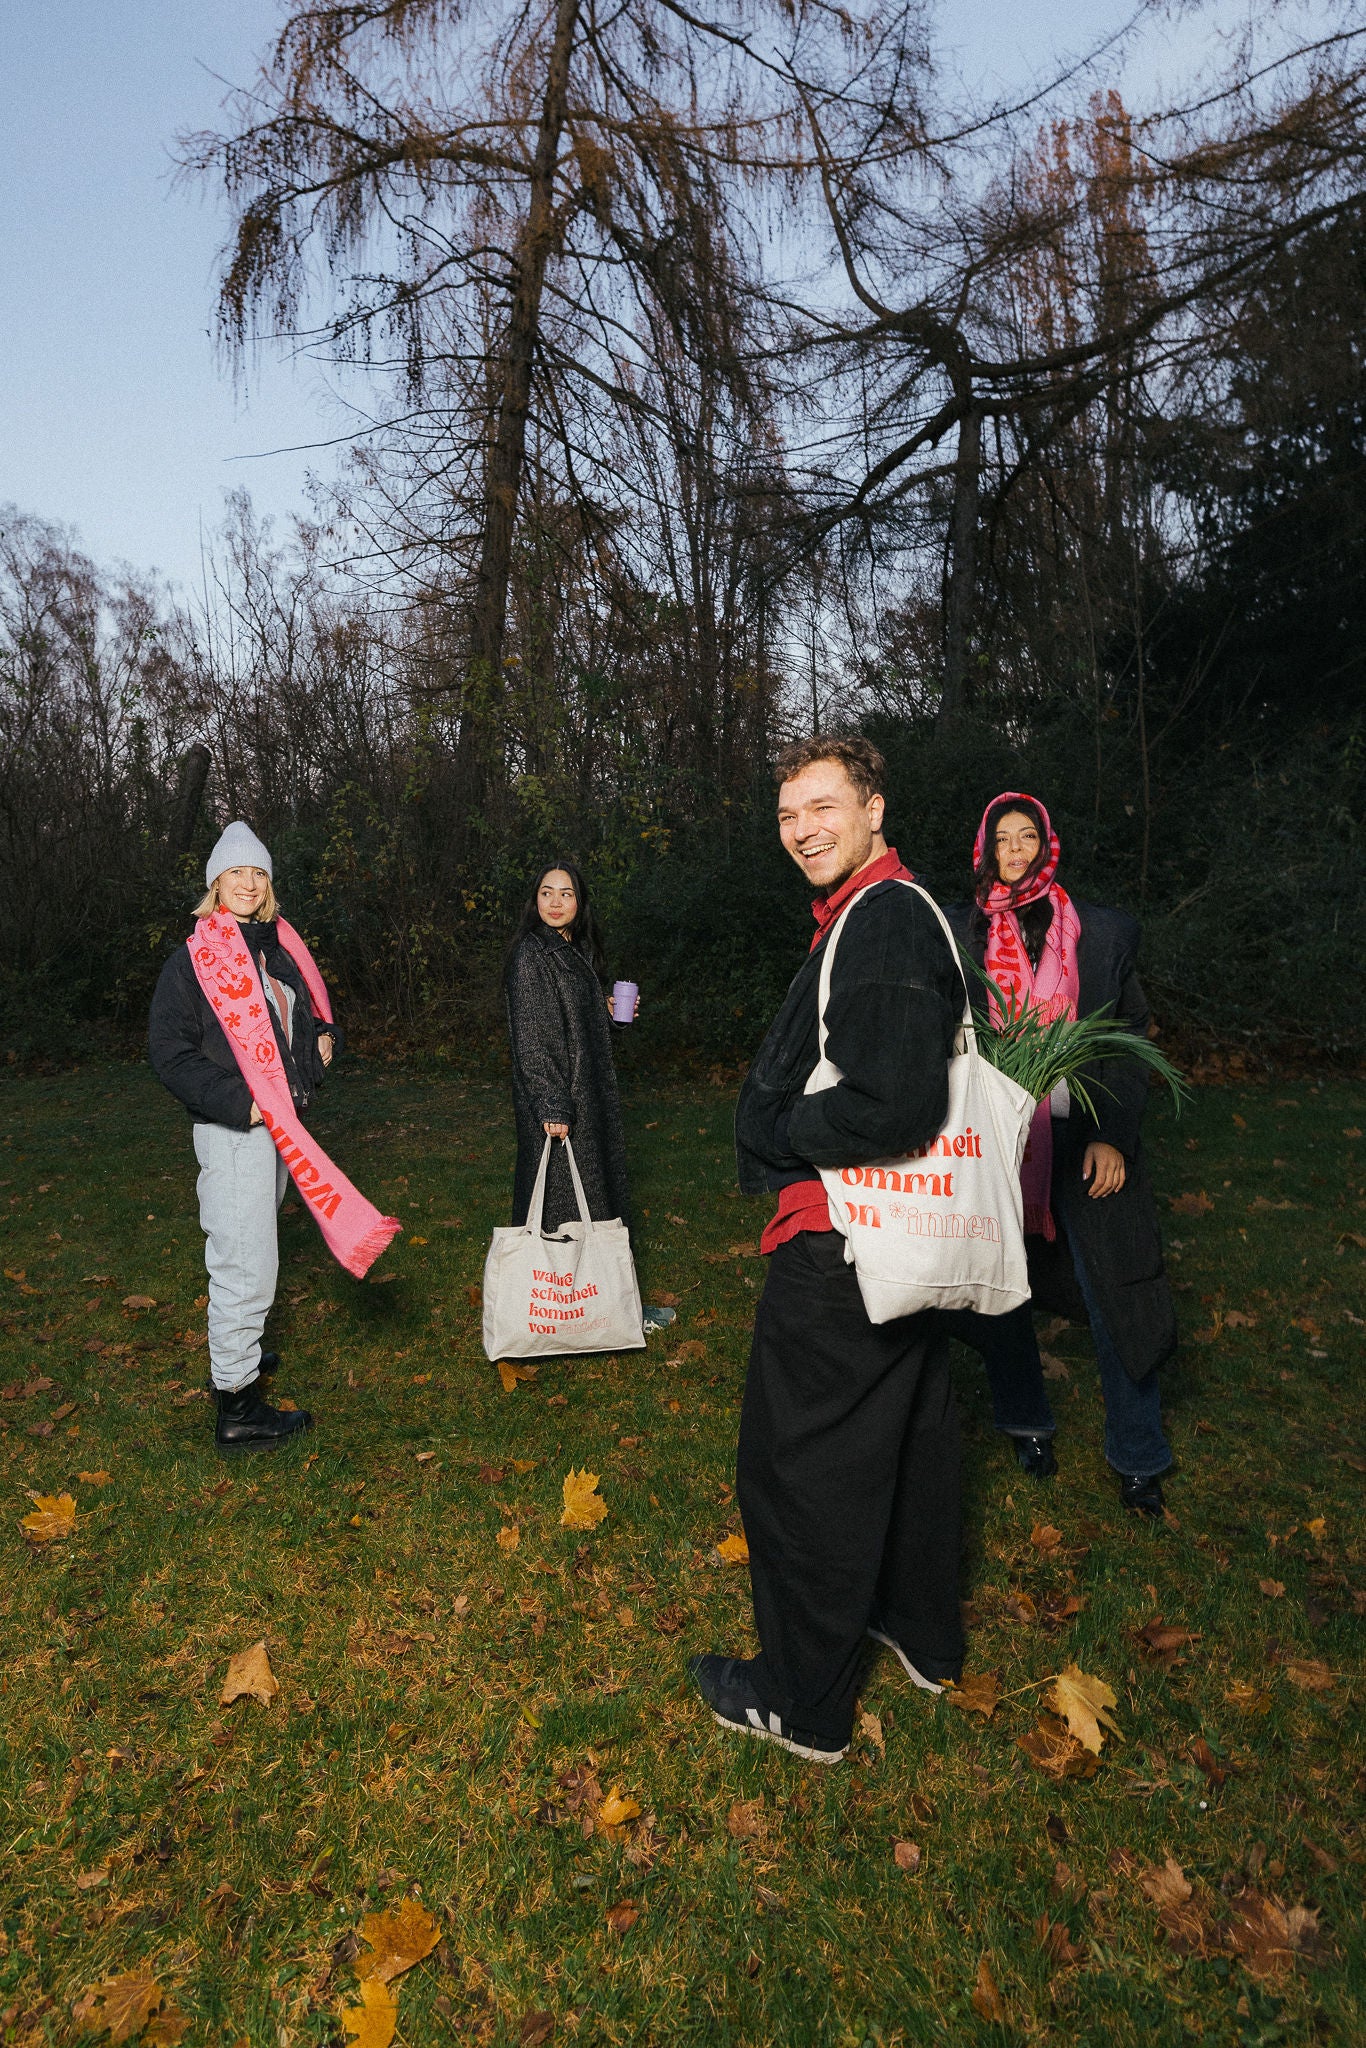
(849, 1483)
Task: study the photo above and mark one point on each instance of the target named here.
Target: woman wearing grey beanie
(242, 1173)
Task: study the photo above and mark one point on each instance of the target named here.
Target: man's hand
(556, 1130)
(1103, 1166)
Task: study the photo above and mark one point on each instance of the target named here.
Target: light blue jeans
(242, 1181)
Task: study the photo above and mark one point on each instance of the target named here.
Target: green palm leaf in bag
(1038, 1053)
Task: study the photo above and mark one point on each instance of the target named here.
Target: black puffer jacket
(896, 999)
(191, 1056)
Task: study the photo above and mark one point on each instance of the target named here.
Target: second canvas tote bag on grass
(574, 1289)
(943, 1228)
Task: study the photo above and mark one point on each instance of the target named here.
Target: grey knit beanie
(238, 848)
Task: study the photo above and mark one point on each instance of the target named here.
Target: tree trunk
(507, 454)
(189, 794)
(960, 602)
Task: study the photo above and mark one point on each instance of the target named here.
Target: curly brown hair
(858, 757)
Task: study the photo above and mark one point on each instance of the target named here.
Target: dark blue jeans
(1134, 1443)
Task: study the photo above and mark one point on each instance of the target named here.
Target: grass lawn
(454, 1712)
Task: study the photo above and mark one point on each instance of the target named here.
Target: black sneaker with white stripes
(724, 1684)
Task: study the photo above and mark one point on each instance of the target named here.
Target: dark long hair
(585, 934)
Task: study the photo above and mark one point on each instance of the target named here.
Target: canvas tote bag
(943, 1228)
(572, 1290)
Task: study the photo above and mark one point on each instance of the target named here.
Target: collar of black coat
(259, 933)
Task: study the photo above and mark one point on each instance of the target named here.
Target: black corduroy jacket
(189, 1051)
(896, 1000)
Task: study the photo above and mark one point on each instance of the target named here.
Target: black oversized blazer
(1119, 1238)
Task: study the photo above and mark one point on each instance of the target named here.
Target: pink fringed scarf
(355, 1231)
(1052, 987)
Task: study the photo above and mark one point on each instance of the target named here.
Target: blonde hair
(267, 914)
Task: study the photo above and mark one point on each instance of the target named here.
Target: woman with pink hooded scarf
(1095, 1248)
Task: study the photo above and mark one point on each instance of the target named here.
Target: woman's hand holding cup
(625, 1002)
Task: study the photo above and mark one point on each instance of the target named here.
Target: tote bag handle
(536, 1210)
(967, 1028)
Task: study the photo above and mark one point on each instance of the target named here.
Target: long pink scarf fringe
(353, 1228)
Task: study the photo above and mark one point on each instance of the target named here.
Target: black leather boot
(1034, 1455)
(1142, 1496)
(247, 1423)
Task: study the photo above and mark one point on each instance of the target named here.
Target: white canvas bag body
(573, 1289)
(943, 1228)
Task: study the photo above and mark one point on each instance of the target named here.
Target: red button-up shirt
(803, 1204)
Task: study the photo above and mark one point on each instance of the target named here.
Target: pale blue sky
(116, 415)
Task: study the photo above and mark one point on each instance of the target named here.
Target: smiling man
(848, 1467)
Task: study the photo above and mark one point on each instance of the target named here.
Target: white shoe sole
(756, 1727)
(916, 1677)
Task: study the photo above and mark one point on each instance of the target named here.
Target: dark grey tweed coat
(562, 1072)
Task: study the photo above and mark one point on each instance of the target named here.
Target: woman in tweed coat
(563, 1080)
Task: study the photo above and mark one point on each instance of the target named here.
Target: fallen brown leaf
(622, 1917)
(870, 1728)
(733, 1549)
(397, 1940)
(1021, 1607)
(584, 1506)
(373, 2021)
(987, 2001)
(1054, 1938)
(1052, 1749)
(534, 2029)
(1045, 1538)
(1274, 1589)
(510, 1374)
(509, 1536)
(138, 1301)
(1184, 1919)
(1309, 1673)
(250, 1676)
(1057, 1609)
(53, 1518)
(1160, 1642)
(1190, 1204)
(1267, 1937)
(978, 1693)
(1205, 1760)
(906, 1856)
(745, 1819)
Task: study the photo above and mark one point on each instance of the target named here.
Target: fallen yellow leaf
(616, 1809)
(250, 1676)
(870, 1727)
(733, 1549)
(584, 1506)
(1084, 1704)
(94, 1478)
(53, 1517)
(373, 2021)
(509, 1374)
(509, 1537)
(119, 2006)
(398, 1940)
